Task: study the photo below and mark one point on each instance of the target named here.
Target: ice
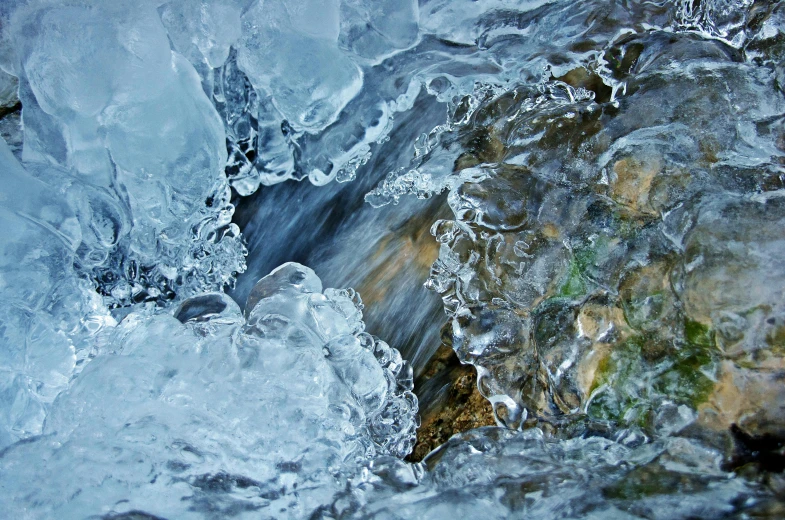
(609, 257)
(298, 62)
(316, 18)
(293, 79)
(202, 31)
(460, 20)
(47, 312)
(498, 473)
(728, 20)
(129, 120)
(375, 31)
(204, 411)
(260, 152)
(578, 300)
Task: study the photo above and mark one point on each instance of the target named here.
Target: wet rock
(454, 404)
(615, 255)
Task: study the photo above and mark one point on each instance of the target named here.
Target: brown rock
(458, 409)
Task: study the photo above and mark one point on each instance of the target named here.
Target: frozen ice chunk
(460, 21)
(128, 119)
(261, 149)
(287, 278)
(315, 18)
(180, 140)
(57, 46)
(376, 30)
(202, 30)
(499, 473)
(202, 409)
(310, 79)
(726, 19)
(310, 86)
(45, 307)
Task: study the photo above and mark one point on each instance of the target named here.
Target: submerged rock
(449, 402)
(626, 257)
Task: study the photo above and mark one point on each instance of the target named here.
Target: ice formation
(612, 267)
(206, 412)
(497, 473)
(106, 100)
(48, 315)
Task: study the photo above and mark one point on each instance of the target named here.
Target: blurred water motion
(385, 254)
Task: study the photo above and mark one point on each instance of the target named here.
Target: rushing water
(384, 253)
(583, 200)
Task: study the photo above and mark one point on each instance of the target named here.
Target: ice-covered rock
(577, 274)
(498, 473)
(612, 267)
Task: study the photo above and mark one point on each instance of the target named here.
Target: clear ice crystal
(202, 31)
(376, 30)
(298, 62)
(48, 314)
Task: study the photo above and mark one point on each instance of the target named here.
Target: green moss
(775, 338)
(573, 285)
(638, 313)
(643, 370)
(627, 228)
(553, 322)
(746, 363)
(583, 260)
(697, 333)
(619, 372)
(586, 257)
(686, 381)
